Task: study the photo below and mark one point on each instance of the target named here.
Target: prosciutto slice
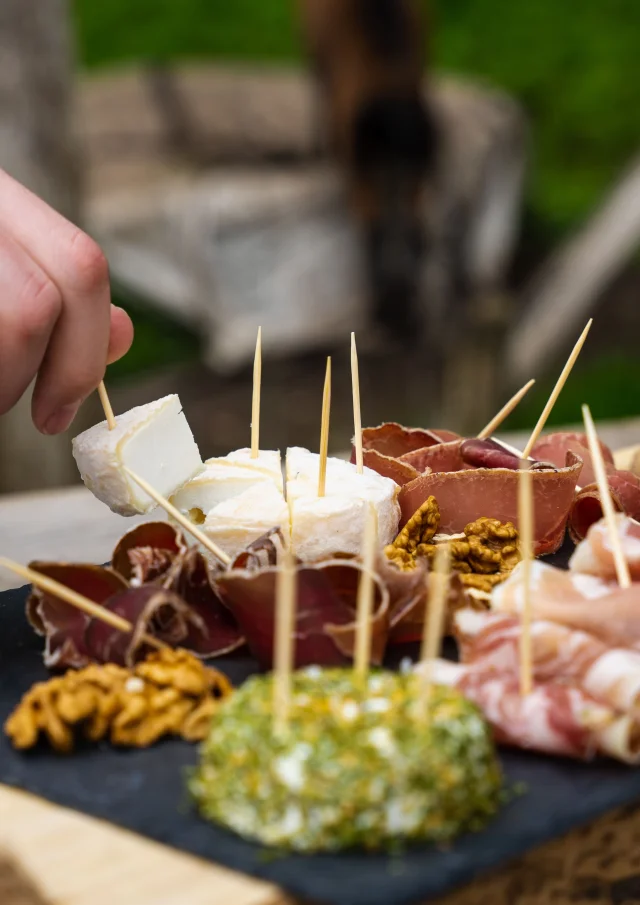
(193, 579)
(558, 654)
(587, 509)
(555, 718)
(554, 448)
(593, 554)
(148, 551)
(63, 626)
(325, 612)
(579, 601)
(389, 448)
(464, 496)
(152, 611)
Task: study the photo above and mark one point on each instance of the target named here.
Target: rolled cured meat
(624, 488)
(579, 601)
(555, 718)
(612, 675)
(587, 509)
(593, 555)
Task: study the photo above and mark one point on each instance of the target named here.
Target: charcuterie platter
(297, 640)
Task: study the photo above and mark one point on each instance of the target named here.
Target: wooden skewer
(79, 601)
(365, 596)
(106, 405)
(433, 625)
(622, 567)
(357, 414)
(505, 411)
(255, 404)
(526, 528)
(171, 510)
(284, 641)
(542, 420)
(324, 431)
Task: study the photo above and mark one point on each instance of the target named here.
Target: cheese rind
(268, 462)
(240, 520)
(153, 440)
(334, 523)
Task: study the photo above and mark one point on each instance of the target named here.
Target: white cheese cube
(216, 483)
(334, 523)
(268, 462)
(153, 440)
(236, 522)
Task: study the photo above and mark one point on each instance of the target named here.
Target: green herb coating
(366, 764)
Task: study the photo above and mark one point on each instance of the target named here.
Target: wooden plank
(69, 525)
(78, 860)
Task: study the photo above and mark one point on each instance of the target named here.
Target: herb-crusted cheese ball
(358, 766)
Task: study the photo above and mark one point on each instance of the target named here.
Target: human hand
(57, 322)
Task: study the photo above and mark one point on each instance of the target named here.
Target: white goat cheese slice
(153, 440)
(240, 520)
(268, 462)
(334, 523)
(216, 483)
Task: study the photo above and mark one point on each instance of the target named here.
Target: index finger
(76, 356)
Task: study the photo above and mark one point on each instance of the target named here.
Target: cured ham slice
(612, 675)
(74, 639)
(325, 612)
(464, 496)
(151, 610)
(554, 448)
(587, 509)
(63, 626)
(579, 601)
(555, 718)
(593, 554)
(392, 439)
(388, 449)
(193, 579)
(147, 551)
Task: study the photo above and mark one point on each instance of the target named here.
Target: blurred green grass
(608, 384)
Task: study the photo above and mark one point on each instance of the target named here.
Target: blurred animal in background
(369, 56)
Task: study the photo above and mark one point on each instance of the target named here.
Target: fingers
(30, 306)
(121, 334)
(66, 268)
(76, 357)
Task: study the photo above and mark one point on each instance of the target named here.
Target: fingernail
(60, 420)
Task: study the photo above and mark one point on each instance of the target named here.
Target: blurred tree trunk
(37, 147)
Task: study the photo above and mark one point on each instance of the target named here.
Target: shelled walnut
(483, 555)
(169, 693)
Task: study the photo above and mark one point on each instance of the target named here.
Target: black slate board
(144, 792)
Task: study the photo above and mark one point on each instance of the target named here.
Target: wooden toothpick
(542, 420)
(106, 405)
(171, 510)
(364, 606)
(357, 414)
(324, 431)
(79, 601)
(284, 641)
(622, 567)
(433, 625)
(255, 403)
(526, 529)
(505, 411)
